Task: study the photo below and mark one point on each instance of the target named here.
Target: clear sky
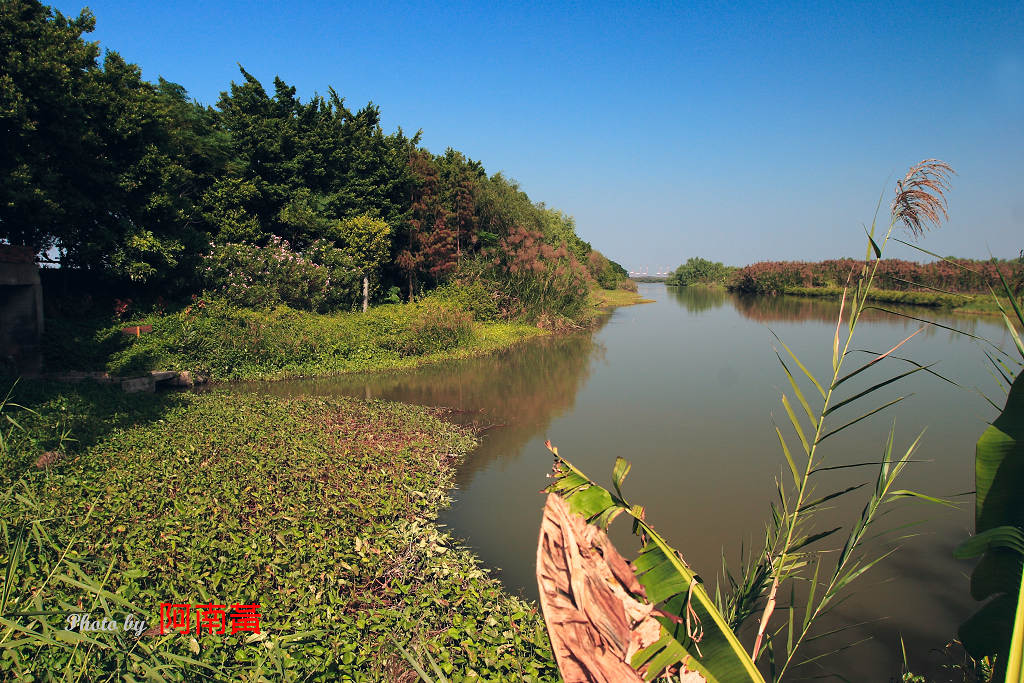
(737, 131)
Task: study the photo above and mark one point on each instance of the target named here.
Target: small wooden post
(366, 293)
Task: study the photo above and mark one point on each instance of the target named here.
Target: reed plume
(920, 196)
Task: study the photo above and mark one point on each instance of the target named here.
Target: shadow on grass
(67, 418)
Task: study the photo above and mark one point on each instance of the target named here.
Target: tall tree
(430, 252)
(96, 162)
(460, 181)
(50, 158)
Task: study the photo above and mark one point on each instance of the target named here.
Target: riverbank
(615, 298)
(219, 342)
(320, 511)
(959, 303)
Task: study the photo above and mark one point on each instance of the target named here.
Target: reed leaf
(873, 361)
(789, 457)
(799, 364)
(796, 424)
(862, 417)
(818, 501)
(796, 390)
(872, 389)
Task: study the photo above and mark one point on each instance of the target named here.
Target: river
(687, 389)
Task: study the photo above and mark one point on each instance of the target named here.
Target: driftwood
(596, 611)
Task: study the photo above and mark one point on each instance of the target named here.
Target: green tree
(50, 173)
(366, 241)
(97, 163)
(698, 270)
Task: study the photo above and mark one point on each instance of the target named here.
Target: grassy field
(320, 511)
(613, 298)
(223, 343)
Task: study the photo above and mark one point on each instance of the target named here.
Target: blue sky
(736, 131)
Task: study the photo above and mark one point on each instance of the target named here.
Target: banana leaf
(693, 633)
(999, 477)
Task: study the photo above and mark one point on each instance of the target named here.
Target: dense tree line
(105, 172)
(700, 271)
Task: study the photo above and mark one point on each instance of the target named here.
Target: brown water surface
(687, 389)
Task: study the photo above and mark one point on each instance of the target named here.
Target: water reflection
(794, 309)
(698, 299)
(510, 396)
(686, 388)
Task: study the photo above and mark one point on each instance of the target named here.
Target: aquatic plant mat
(320, 511)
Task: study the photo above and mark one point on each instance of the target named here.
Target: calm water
(686, 388)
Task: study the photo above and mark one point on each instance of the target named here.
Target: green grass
(959, 302)
(613, 298)
(322, 511)
(223, 343)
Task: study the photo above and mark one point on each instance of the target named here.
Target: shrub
(537, 279)
(628, 285)
(225, 342)
(962, 276)
(603, 271)
(469, 295)
(698, 270)
(435, 328)
(322, 278)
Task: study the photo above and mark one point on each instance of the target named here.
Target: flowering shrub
(775, 277)
(319, 279)
(121, 307)
(537, 279)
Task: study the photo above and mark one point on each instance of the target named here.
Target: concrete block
(137, 384)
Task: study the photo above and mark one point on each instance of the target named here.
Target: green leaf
(799, 394)
(836, 494)
(619, 473)
(789, 458)
(798, 363)
(875, 387)
(999, 477)
(871, 362)
(796, 424)
(874, 247)
(904, 493)
(987, 631)
(1008, 537)
(862, 417)
(1015, 661)
(999, 466)
(12, 565)
(812, 538)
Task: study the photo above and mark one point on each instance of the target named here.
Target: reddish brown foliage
(774, 277)
(539, 279)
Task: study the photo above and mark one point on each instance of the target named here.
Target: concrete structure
(21, 306)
